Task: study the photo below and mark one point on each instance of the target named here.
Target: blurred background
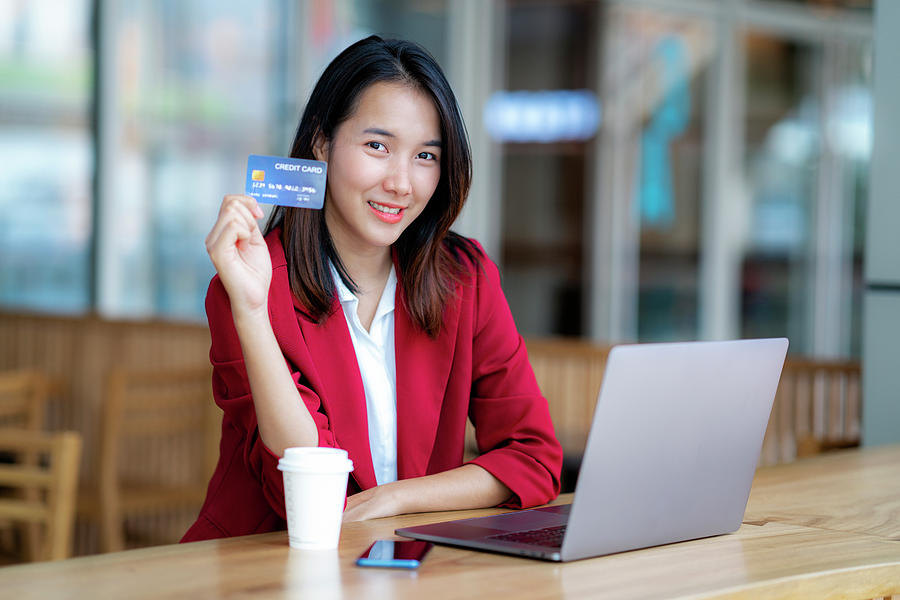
(645, 170)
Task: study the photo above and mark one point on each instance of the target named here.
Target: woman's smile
(388, 214)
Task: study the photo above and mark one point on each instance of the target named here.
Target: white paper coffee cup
(315, 487)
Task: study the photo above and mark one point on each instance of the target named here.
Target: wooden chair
(569, 373)
(41, 492)
(23, 399)
(817, 408)
(23, 405)
(158, 448)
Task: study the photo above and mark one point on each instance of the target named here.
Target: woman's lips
(386, 212)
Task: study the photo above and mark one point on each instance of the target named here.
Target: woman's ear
(320, 148)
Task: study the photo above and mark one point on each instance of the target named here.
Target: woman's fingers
(235, 209)
(239, 253)
(246, 202)
(224, 247)
(226, 233)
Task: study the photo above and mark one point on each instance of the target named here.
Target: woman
(368, 325)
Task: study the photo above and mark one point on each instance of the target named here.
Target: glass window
(47, 155)
(656, 71)
(198, 87)
(782, 152)
(338, 24)
(190, 89)
(855, 5)
(545, 185)
(808, 140)
(195, 85)
(675, 57)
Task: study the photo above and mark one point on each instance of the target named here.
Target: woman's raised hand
(237, 249)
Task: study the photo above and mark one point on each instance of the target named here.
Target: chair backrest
(160, 427)
(569, 373)
(23, 399)
(42, 492)
(159, 446)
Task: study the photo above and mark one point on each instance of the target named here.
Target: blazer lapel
(423, 370)
(341, 389)
(325, 356)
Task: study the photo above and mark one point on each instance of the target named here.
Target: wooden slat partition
(23, 398)
(817, 406)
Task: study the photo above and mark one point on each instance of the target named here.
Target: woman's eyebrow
(377, 131)
(384, 132)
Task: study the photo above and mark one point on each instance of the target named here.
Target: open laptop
(671, 454)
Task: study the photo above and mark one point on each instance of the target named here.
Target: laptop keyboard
(547, 536)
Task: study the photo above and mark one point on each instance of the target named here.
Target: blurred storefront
(644, 169)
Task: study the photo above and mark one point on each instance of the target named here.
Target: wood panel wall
(816, 400)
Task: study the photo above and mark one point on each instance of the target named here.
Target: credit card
(294, 182)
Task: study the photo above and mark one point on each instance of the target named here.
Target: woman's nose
(397, 181)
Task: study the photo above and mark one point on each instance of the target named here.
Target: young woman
(368, 325)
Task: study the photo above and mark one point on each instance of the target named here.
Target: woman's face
(384, 163)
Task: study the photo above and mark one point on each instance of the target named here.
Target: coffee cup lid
(315, 459)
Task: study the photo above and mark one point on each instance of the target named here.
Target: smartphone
(397, 554)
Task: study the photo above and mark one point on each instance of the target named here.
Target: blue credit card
(294, 182)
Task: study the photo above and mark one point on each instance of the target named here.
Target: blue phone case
(394, 563)
(394, 554)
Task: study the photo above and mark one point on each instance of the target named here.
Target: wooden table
(825, 526)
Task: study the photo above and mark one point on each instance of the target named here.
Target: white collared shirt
(377, 367)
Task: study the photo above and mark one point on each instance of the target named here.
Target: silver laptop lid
(675, 439)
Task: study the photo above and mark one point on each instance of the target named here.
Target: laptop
(676, 435)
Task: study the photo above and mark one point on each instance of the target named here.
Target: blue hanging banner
(669, 120)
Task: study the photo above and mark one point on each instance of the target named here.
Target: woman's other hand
(465, 487)
(238, 251)
(373, 503)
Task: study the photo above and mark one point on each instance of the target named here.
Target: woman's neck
(368, 269)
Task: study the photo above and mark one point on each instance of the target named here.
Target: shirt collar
(344, 293)
(385, 304)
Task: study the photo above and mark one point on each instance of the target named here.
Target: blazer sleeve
(231, 390)
(511, 417)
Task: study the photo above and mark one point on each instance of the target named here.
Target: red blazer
(477, 367)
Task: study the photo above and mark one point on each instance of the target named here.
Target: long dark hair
(428, 253)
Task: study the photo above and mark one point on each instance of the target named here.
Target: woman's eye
(376, 145)
(427, 156)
